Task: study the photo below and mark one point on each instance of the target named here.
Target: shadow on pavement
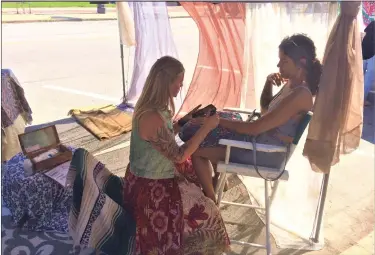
(66, 18)
(57, 122)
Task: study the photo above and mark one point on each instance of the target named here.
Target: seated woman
(281, 113)
(172, 214)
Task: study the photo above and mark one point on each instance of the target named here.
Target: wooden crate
(40, 141)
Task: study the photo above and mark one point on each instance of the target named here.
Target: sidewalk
(364, 247)
(9, 15)
(29, 18)
(46, 11)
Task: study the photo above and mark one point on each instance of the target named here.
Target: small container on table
(37, 144)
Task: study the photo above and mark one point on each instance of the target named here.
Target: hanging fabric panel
(154, 39)
(219, 72)
(336, 126)
(126, 24)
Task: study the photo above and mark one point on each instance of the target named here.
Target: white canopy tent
(307, 188)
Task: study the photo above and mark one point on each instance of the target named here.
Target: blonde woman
(172, 214)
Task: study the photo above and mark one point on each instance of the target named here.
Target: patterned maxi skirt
(173, 216)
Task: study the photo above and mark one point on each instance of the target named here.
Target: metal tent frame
(325, 181)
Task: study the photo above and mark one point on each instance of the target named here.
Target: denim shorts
(264, 159)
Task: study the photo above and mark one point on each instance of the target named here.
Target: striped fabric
(97, 219)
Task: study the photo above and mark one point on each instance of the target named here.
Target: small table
(37, 202)
(15, 114)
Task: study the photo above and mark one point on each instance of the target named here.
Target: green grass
(50, 4)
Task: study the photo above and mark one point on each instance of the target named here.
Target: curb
(72, 19)
(55, 20)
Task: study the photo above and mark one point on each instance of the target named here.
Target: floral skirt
(173, 216)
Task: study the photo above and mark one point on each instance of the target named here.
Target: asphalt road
(65, 65)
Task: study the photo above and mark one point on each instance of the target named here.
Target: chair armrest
(239, 110)
(249, 146)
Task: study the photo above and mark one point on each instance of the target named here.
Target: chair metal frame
(249, 170)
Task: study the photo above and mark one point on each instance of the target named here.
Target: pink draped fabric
(368, 12)
(219, 71)
(336, 126)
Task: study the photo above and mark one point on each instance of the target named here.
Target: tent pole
(123, 72)
(321, 207)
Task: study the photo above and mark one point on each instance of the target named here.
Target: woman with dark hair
(300, 72)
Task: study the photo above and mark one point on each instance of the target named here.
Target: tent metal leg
(123, 72)
(315, 239)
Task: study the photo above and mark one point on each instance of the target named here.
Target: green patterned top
(147, 162)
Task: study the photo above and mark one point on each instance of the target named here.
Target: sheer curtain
(219, 71)
(126, 24)
(153, 36)
(336, 126)
(294, 204)
(269, 23)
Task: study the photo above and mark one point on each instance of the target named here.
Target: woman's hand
(198, 120)
(211, 122)
(275, 79)
(188, 116)
(202, 120)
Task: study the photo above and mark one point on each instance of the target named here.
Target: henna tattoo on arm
(165, 143)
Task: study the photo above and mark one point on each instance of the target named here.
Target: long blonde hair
(155, 94)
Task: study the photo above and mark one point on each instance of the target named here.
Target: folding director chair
(268, 174)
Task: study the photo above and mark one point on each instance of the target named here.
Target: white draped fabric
(294, 206)
(269, 23)
(126, 24)
(154, 39)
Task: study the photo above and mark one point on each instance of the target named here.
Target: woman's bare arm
(267, 93)
(153, 129)
(266, 96)
(176, 128)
